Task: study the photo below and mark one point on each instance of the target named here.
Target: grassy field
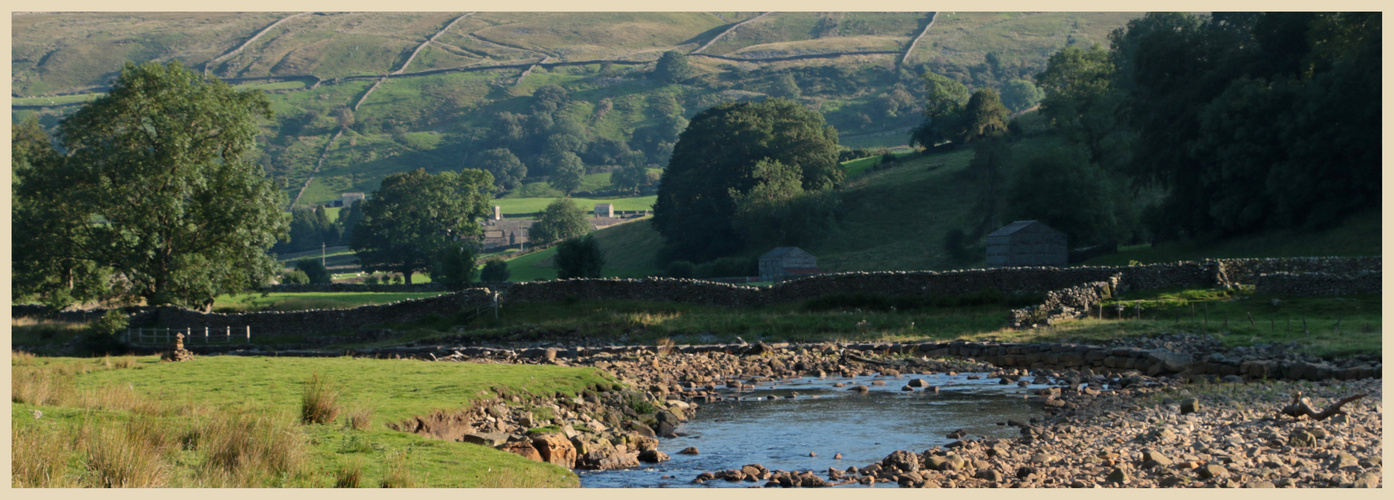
(518, 206)
(301, 301)
(628, 249)
(1162, 312)
(138, 422)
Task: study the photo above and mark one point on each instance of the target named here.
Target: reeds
(319, 403)
(398, 471)
(350, 474)
(358, 417)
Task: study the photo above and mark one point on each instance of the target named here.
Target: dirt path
(728, 31)
(916, 41)
(208, 66)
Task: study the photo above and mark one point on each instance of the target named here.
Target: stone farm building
(346, 199)
(1027, 243)
(784, 263)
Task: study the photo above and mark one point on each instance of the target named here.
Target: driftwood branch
(1300, 407)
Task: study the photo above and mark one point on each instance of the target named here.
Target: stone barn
(604, 210)
(1027, 243)
(784, 263)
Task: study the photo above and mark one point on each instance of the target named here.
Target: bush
(295, 277)
(495, 271)
(453, 266)
(955, 244)
(728, 267)
(315, 271)
(370, 280)
(579, 258)
(103, 336)
(680, 269)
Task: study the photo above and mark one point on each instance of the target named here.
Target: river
(823, 420)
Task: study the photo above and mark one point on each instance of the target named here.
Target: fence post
(249, 334)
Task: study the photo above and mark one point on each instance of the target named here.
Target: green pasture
(278, 301)
(389, 391)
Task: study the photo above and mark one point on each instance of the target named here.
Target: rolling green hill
(458, 73)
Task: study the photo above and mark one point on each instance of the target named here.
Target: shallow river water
(827, 420)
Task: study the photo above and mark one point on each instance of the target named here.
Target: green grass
(316, 300)
(1225, 314)
(396, 390)
(55, 100)
(516, 206)
(628, 249)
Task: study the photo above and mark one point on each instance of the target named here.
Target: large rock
(490, 439)
(555, 448)
(653, 456)
(1172, 361)
(902, 460)
(524, 449)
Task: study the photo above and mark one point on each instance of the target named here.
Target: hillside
(358, 96)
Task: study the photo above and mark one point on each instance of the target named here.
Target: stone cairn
(179, 353)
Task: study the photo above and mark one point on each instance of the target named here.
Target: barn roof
(1017, 226)
(779, 252)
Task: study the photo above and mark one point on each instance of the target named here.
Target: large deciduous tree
(579, 258)
(155, 187)
(716, 156)
(561, 220)
(408, 221)
(507, 170)
(943, 111)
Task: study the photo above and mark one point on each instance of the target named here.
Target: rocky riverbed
(1102, 428)
(1169, 435)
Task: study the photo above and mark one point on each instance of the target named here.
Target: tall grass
(319, 403)
(38, 457)
(398, 471)
(252, 447)
(119, 458)
(358, 417)
(350, 474)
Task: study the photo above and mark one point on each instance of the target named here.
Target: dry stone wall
(319, 320)
(1318, 284)
(1248, 271)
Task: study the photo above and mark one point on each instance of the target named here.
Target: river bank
(1132, 433)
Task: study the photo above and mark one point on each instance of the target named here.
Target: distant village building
(1027, 243)
(604, 210)
(347, 199)
(784, 263)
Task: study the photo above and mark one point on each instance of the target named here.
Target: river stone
(490, 439)
(902, 460)
(653, 456)
(690, 450)
(1367, 480)
(1153, 458)
(1119, 476)
(1259, 484)
(1344, 459)
(1025, 471)
(918, 382)
(860, 388)
(1042, 458)
(1212, 471)
(524, 449)
(1302, 438)
(555, 448)
(957, 434)
(1190, 405)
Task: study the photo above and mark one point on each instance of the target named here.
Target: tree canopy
(716, 156)
(415, 215)
(1241, 121)
(672, 67)
(507, 170)
(579, 258)
(154, 188)
(561, 220)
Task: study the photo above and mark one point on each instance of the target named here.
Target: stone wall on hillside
(1248, 271)
(319, 320)
(1318, 284)
(647, 289)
